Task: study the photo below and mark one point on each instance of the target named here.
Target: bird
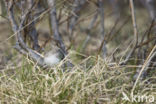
(53, 55)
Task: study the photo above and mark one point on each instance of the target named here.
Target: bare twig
(119, 29)
(78, 4)
(88, 31)
(101, 13)
(135, 33)
(112, 30)
(54, 24)
(32, 30)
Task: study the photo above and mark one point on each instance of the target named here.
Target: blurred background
(81, 29)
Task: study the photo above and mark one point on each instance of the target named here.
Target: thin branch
(101, 13)
(54, 24)
(75, 15)
(119, 29)
(135, 33)
(90, 26)
(32, 30)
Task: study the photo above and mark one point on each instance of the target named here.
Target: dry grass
(90, 82)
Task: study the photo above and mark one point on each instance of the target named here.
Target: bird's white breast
(51, 59)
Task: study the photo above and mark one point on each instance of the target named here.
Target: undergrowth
(91, 81)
